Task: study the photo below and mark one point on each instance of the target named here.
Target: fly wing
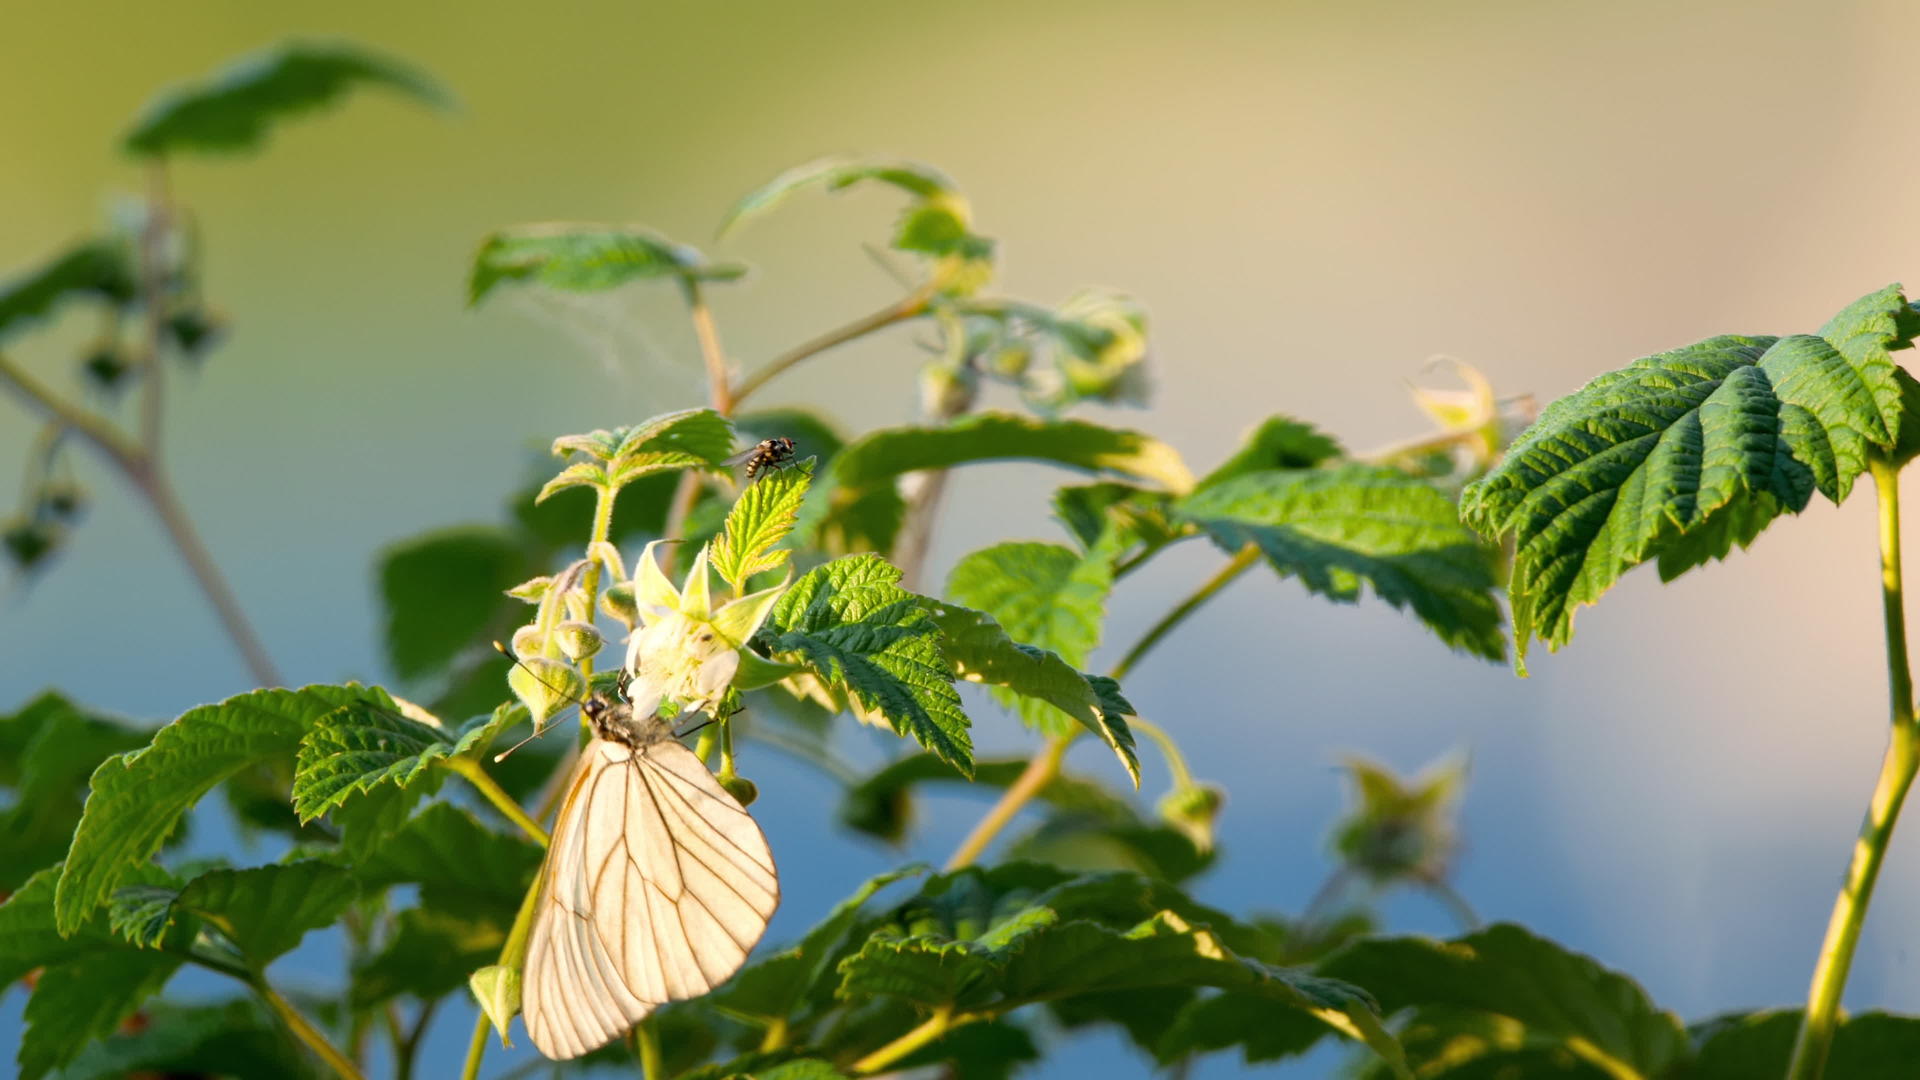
(743, 456)
(575, 996)
(656, 887)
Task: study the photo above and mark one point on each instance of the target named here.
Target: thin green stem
(909, 307)
(305, 1031)
(498, 796)
(153, 290)
(1456, 904)
(719, 384)
(1818, 1025)
(409, 1050)
(1235, 566)
(942, 1021)
(603, 500)
(1176, 761)
(477, 1047)
(1031, 781)
(646, 1044)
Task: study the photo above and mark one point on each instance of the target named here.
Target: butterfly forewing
(656, 886)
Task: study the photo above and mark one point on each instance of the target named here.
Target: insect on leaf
(761, 518)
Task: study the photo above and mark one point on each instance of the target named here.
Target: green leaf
(774, 988)
(266, 910)
(1132, 515)
(923, 182)
(982, 652)
(1280, 442)
(429, 954)
(1683, 455)
(442, 593)
(689, 438)
(1249, 1021)
(1049, 597)
(461, 866)
(879, 457)
(1558, 995)
(851, 622)
(1095, 841)
(138, 798)
(51, 747)
(235, 109)
(989, 1050)
(100, 269)
(762, 517)
(1337, 528)
(233, 1039)
(85, 999)
(1866, 1046)
(365, 744)
(586, 258)
(881, 804)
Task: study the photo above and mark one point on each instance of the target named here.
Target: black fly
(764, 456)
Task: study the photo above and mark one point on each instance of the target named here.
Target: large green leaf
(880, 456)
(235, 109)
(1337, 528)
(687, 439)
(97, 268)
(51, 747)
(442, 591)
(237, 1038)
(774, 988)
(1683, 455)
(138, 798)
(84, 999)
(881, 804)
(430, 953)
(851, 622)
(1280, 442)
(1556, 994)
(760, 519)
(1248, 1021)
(365, 744)
(981, 651)
(460, 865)
(586, 258)
(1867, 1046)
(264, 910)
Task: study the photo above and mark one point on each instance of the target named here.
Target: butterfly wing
(656, 886)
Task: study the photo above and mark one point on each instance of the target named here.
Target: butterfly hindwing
(656, 886)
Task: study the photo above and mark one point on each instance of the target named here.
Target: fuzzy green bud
(1193, 809)
(546, 686)
(618, 603)
(577, 640)
(743, 790)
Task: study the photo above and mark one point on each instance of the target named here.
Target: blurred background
(1310, 198)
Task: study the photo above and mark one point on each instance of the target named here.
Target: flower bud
(743, 790)
(529, 641)
(618, 602)
(546, 686)
(1192, 809)
(577, 640)
(945, 390)
(1012, 361)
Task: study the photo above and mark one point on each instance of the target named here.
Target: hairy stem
(498, 796)
(908, 307)
(942, 1021)
(1820, 1021)
(1031, 781)
(305, 1031)
(646, 1045)
(1176, 761)
(603, 499)
(1235, 566)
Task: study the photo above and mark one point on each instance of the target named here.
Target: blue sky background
(1310, 198)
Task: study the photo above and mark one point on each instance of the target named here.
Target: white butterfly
(656, 885)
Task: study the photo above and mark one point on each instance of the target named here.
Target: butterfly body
(657, 884)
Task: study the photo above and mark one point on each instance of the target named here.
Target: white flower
(684, 653)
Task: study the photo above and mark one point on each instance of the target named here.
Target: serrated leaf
(1557, 994)
(879, 806)
(365, 745)
(1130, 514)
(266, 910)
(572, 257)
(851, 622)
(143, 914)
(461, 866)
(981, 651)
(1280, 442)
(235, 109)
(51, 747)
(1683, 455)
(430, 953)
(442, 592)
(761, 518)
(232, 1039)
(82, 1000)
(138, 798)
(1248, 1021)
(688, 438)
(1335, 529)
(838, 173)
(580, 474)
(97, 269)
(878, 457)
(774, 988)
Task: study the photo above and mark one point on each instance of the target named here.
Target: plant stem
(908, 307)
(153, 298)
(603, 499)
(646, 1043)
(1176, 761)
(477, 1047)
(942, 1021)
(1235, 566)
(1818, 1025)
(305, 1031)
(409, 1050)
(719, 384)
(498, 796)
(1456, 904)
(1031, 781)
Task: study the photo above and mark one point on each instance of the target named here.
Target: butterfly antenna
(539, 729)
